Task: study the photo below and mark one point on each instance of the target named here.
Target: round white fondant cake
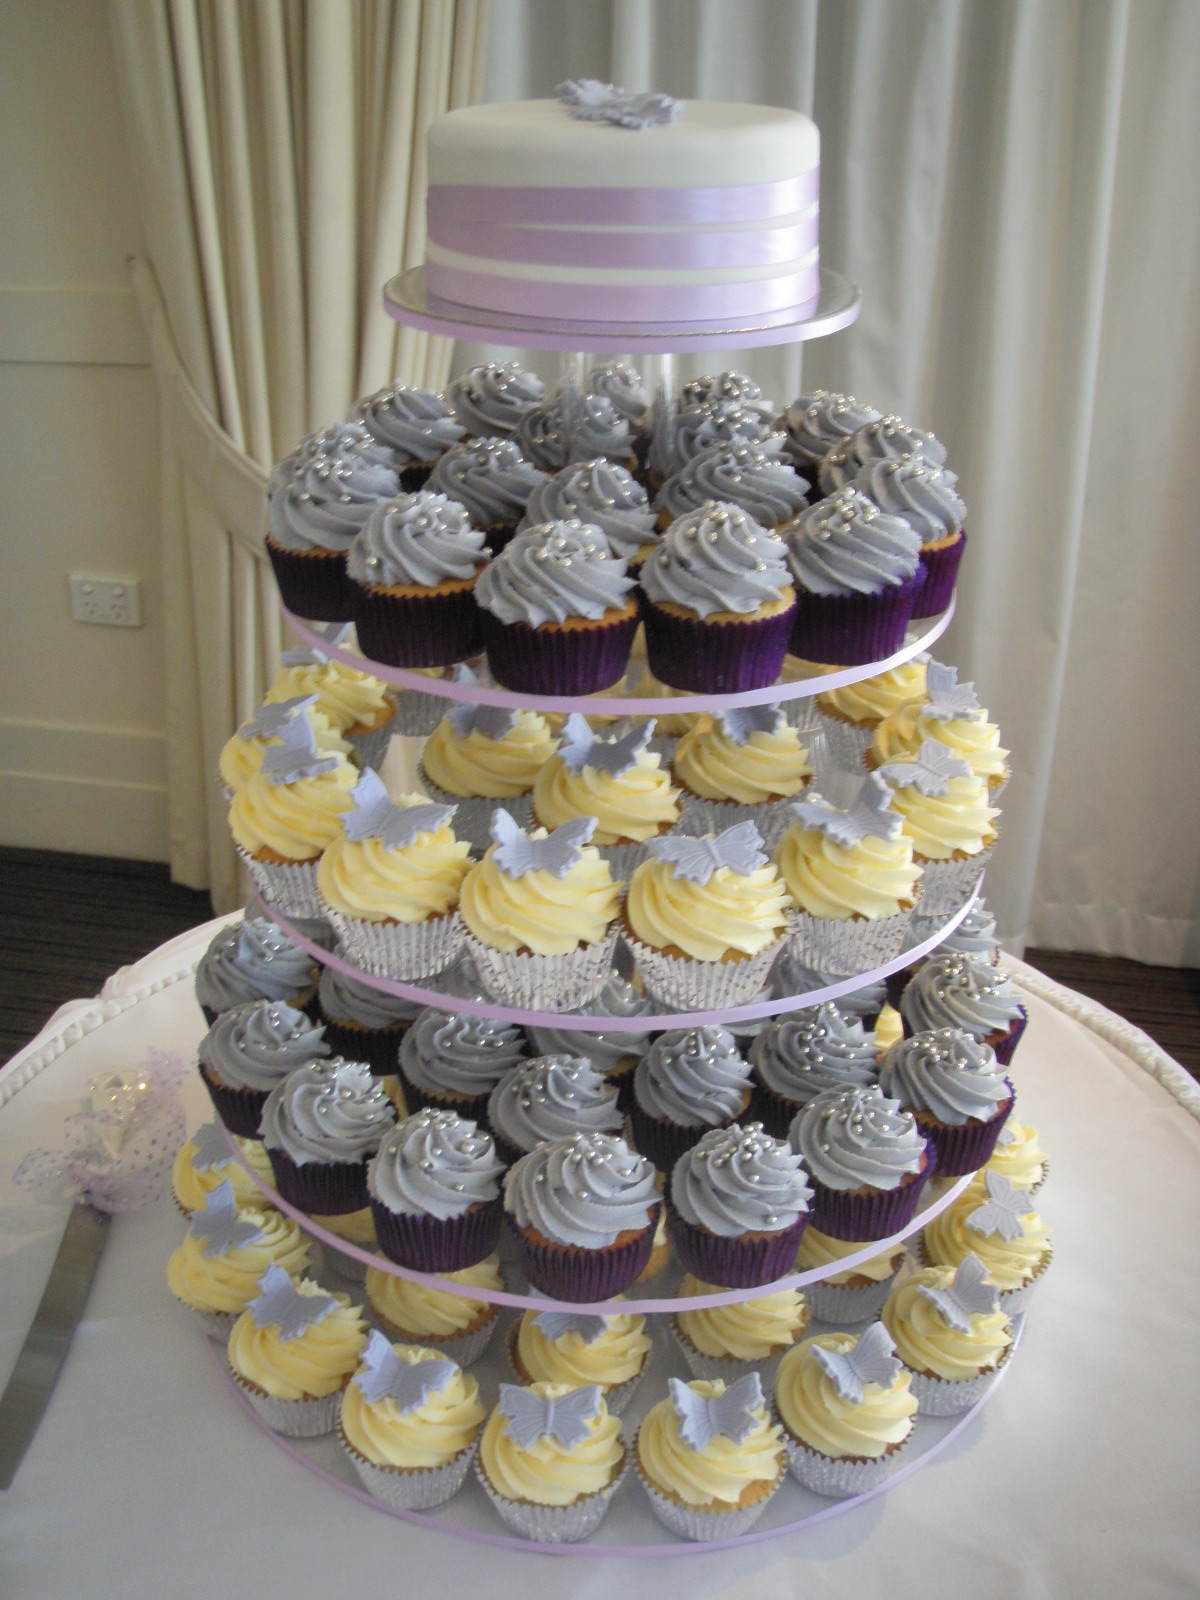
(624, 209)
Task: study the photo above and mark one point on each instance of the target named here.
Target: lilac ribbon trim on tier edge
(570, 247)
(542, 205)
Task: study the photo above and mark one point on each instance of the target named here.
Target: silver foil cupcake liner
(771, 818)
(412, 1489)
(946, 1397)
(473, 813)
(838, 1479)
(997, 786)
(216, 1324)
(545, 983)
(701, 1525)
(290, 887)
(946, 885)
(624, 859)
(417, 714)
(371, 747)
(841, 1303)
(616, 1395)
(803, 714)
(730, 1368)
(847, 945)
(689, 985)
(846, 744)
(400, 950)
(296, 1419)
(465, 1348)
(554, 1524)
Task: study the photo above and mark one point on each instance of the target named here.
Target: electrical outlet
(108, 602)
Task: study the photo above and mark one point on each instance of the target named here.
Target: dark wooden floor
(67, 921)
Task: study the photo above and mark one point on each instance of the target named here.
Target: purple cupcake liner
(664, 1142)
(862, 1215)
(1005, 1048)
(622, 1081)
(499, 534)
(379, 1048)
(431, 1244)
(415, 475)
(716, 657)
(967, 1148)
(743, 1262)
(240, 1110)
(771, 1109)
(557, 660)
(850, 630)
(896, 982)
(566, 1273)
(313, 583)
(330, 1188)
(428, 630)
(941, 572)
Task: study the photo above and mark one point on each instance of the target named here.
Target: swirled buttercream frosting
(550, 1097)
(546, 1471)
(739, 1180)
(955, 1078)
(743, 912)
(766, 764)
(680, 435)
(605, 1050)
(349, 698)
(415, 1437)
(752, 476)
(350, 1000)
(293, 821)
(817, 421)
(958, 991)
(326, 499)
(608, 1350)
(599, 493)
(252, 960)
(490, 477)
(579, 429)
(242, 754)
(927, 1342)
(693, 1077)
(886, 439)
(638, 803)
(975, 935)
(725, 388)
(622, 384)
(314, 1363)
(1012, 1254)
(750, 1330)
(956, 821)
(415, 423)
(538, 911)
(1018, 1156)
(869, 700)
(845, 545)
(227, 1280)
(870, 878)
(723, 1472)
(476, 764)
(362, 878)
(803, 1055)
(435, 1164)
(419, 1312)
(327, 1111)
(552, 571)
(583, 1190)
(492, 398)
(255, 1046)
(459, 1054)
(913, 488)
(717, 559)
(418, 539)
(819, 1250)
(857, 1138)
(874, 1419)
(970, 737)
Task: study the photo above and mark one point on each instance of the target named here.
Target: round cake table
(146, 1478)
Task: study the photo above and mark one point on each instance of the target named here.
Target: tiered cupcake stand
(630, 1527)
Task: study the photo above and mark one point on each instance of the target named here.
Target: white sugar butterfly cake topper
(930, 773)
(280, 1304)
(295, 756)
(864, 816)
(516, 853)
(218, 1225)
(1001, 1213)
(739, 848)
(949, 700)
(581, 748)
(970, 1292)
(557, 1324)
(269, 721)
(530, 1417)
(872, 1360)
(491, 722)
(732, 1414)
(590, 100)
(384, 1376)
(210, 1147)
(375, 816)
(739, 723)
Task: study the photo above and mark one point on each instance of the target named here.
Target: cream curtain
(278, 150)
(1013, 184)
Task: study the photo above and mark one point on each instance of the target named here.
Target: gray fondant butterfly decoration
(969, 1292)
(872, 1360)
(383, 1376)
(1001, 1213)
(866, 814)
(210, 1148)
(493, 722)
(948, 698)
(739, 848)
(730, 1414)
(930, 773)
(374, 816)
(269, 721)
(555, 1324)
(280, 1304)
(295, 756)
(303, 655)
(217, 1224)
(738, 724)
(590, 100)
(516, 853)
(581, 748)
(529, 1417)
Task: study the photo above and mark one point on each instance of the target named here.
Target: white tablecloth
(145, 1479)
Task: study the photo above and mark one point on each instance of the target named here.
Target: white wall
(82, 710)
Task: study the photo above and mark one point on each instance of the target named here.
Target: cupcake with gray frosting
(493, 480)
(726, 388)
(412, 573)
(491, 399)
(858, 573)
(250, 1049)
(719, 602)
(817, 422)
(253, 960)
(690, 1081)
(884, 439)
(613, 1052)
(957, 1091)
(622, 384)
(321, 1126)
(925, 496)
(738, 1203)
(416, 425)
(798, 1057)
(454, 1062)
(961, 991)
(791, 977)
(753, 476)
(558, 611)
(434, 1189)
(583, 1210)
(868, 1161)
(575, 428)
(549, 1098)
(317, 503)
(975, 936)
(682, 432)
(362, 1023)
(607, 497)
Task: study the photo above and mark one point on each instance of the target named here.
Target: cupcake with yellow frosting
(551, 1459)
(889, 1030)
(292, 1352)
(205, 1162)
(286, 815)
(851, 873)
(389, 882)
(356, 1228)
(725, 1341)
(1019, 1157)
(215, 1271)
(540, 912)
(847, 1410)
(481, 757)
(705, 918)
(709, 1457)
(851, 713)
(949, 712)
(995, 1222)
(946, 814)
(949, 1333)
(451, 1324)
(848, 1294)
(360, 707)
(576, 1349)
(743, 766)
(620, 782)
(242, 756)
(409, 1421)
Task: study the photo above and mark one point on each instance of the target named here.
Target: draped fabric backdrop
(1013, 184)
(279, 153)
